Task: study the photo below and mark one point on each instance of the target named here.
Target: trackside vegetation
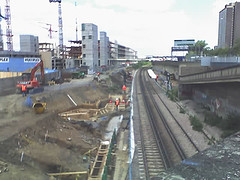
(196, 123)
(142, 64)
(229, 124)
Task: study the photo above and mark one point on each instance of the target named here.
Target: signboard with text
(4, 59)
(31, 60)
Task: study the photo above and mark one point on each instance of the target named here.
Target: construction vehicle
(29, 80)
(78, 75)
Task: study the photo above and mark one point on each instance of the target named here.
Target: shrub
(212, 119)
(227, 133)
(229, 125)
(173, 94)
(182, 110)
(196, 123)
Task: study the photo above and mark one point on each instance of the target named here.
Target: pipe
(71, 100)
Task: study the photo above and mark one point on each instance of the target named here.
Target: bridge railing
(228, 73)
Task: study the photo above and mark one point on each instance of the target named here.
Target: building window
(84, 45)
(83, 37)
(90, 37)
(83, 27)
(84, 55)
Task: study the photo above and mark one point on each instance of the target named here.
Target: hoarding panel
(55, 1)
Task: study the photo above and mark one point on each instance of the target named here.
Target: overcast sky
(147, 26)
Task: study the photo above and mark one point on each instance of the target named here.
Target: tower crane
(60, 25)
(50, 30)
(1, 35)
(9, 26)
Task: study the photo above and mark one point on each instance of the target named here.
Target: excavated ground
(32, 145)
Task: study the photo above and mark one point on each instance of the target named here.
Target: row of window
(89, 37)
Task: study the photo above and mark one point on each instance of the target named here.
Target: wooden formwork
(89, 110)
(100, 161)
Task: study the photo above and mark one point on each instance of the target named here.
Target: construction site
(71, 135)
(61, 122)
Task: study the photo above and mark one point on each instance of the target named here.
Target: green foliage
(182, 110)
(173, 94)
(142, 64)
(170, 96)
(227, 133)
(229, 125)
(198, 49)
(196, 123)
(234, 51)
(232, 122)
(212, 119)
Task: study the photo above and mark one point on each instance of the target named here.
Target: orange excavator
(29, 80)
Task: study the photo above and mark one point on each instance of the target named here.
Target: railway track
(203, 132)
(150, 148)
(158, 147)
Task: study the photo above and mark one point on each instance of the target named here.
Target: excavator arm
(38, 65)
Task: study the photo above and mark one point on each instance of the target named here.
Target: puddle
(114, 123)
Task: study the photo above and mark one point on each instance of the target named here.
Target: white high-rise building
(90, 45)
(29, 43)
(104, 49)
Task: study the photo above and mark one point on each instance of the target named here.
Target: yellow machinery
(39, 107)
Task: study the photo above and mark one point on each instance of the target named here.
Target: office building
(181, 48)
(229, 25)
(118, 51)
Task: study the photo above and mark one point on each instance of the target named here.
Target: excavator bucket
(39, 107)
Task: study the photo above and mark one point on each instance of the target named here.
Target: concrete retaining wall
(221, 98)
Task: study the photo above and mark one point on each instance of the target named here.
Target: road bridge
(227, 74)
(216, 89)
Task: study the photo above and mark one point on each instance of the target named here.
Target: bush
(229, 125)
(196, 123)
(182, 110)
(173, 94)
(227, 133)
(212, 119)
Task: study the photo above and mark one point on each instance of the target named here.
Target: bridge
(217, 89)
(228, 74)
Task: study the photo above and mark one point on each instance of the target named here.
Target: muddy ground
(32, 145)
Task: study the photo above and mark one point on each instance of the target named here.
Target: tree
(198, 49)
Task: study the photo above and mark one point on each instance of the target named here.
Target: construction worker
(117, 103)
(156, 78)
(110, 101)
(124, 89)
(24, 90)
